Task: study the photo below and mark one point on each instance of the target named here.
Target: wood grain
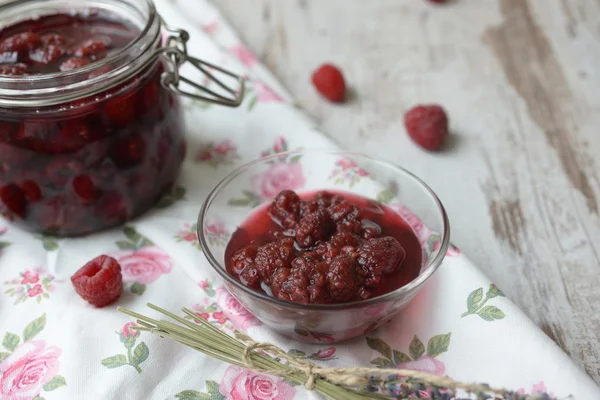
(521, 176)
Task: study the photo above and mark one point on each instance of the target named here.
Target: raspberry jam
(94, 161)
(61, 42)
(323, 248)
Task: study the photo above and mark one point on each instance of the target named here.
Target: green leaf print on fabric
(176, 194)
(55, 383)
(212, 387)
(135, 356)
(34, 327)
(476, 304)
(438, 345)
(50, 243)
(10, 341)
(419, 359)
(248, 199)
(138, 289)
(35, 284)
(416, 348)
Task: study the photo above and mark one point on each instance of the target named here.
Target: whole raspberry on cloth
(427, 125)
(329, 81)
(99, 281)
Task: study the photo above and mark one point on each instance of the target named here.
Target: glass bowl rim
(416, 282)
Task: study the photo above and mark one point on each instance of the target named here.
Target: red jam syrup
(87, 165)
(61, 42)
(323, 248)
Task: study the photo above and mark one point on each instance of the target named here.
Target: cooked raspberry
(342, 278)
(279, 277)
(317, 288)
(285, 209)
(333, 247)
(47, 54)
(84, 187)
(99, 281)
(251, 277)
(243, 258)
(150, 96)
(313, 228)
(73, 63)
(308, 207)
(120, 110)
(53, 38)
(296, 286)
(427, 126)
(343, 211)
(112, 207)
(128, 151)
(329, 81)
(20, 42)
(13, 69)
(306, 261)
(31, 190)
(380, 256)
(14, 199)
(274, 255)
(95, 49)
(437, 1)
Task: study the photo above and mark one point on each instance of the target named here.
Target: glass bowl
(257, 182)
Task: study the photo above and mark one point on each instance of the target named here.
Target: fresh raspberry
(84, 187)
(13, 69)
(329, 81)
(95, 49)
(13, 198)
(20, 42)
(380, 256)
(274, 255)
(437, 1)
(73, 63)
(31, 190)
(99, 281)
(427, 125)
(285, 209)
(314, 228)
(47, 54)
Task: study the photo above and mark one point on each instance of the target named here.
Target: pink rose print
(239, 316)
(425, 364)
(220, 317)
(27, 369)
(35, 290)
(244, 54)
(31, 284)
(203, 284)
(279, 177)
(3, 230)
(128, 332)
(188, 234)
(264, 94)
(30, 277)
(347, 172)
(326, 353)
(217, 153)
(279, 145)
(144, 265)
(243, 384)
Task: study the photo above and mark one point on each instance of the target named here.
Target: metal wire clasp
(175, 51)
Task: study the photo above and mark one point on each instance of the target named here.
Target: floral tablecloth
(56, 346)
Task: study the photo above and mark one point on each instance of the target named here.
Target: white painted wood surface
(521, 83)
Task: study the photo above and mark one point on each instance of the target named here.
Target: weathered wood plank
(521, 177)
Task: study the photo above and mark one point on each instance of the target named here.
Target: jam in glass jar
(91, 129)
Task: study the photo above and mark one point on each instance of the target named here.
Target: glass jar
(88, 149)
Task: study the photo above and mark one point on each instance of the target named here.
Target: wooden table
(521, 83)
